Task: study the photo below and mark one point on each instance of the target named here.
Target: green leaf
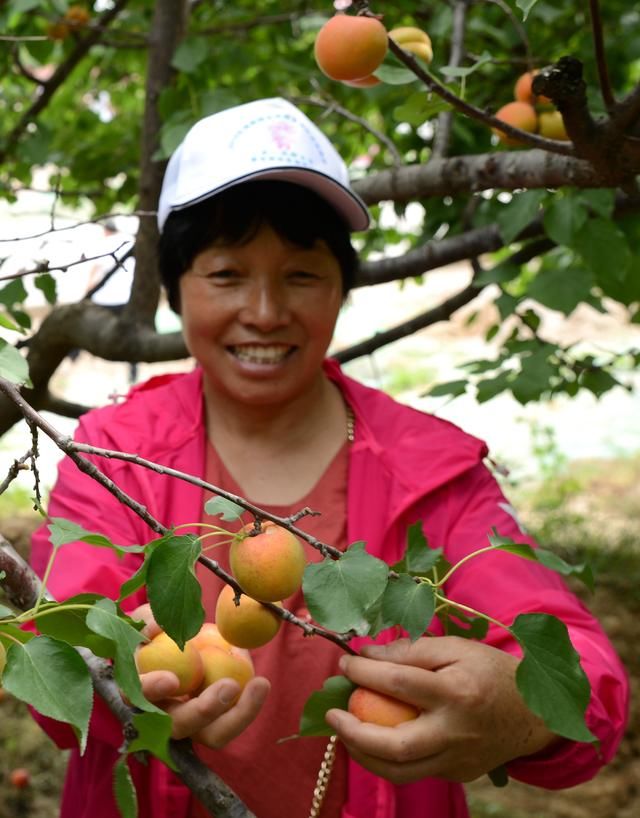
(339, 592)
(419, 108)
(490, 387)
(13, 367)
(173, 590)
(226, 509)
(47, 284)
(560, 288)
(534, 378)
(603, 245)
(409, 604)
(4, 611)
(550, 677)
(600, 200)
(154, 731)
(500, 274)
(52, 677)
(458, 624)
(68, 623)
(335, 693)
(8, 323)
(394, 75)
(103, 619)
(598, 381)
(520, 212)
(124, 789)
(459, 72)
(563, 218)
(525, 6)
(13, 293)
(453, 388)
(191, 52)
(65, 531)
(418, 558)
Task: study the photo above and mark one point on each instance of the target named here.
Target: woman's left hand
(473, 718)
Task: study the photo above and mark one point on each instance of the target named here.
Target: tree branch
(445, 119)
(601, 60)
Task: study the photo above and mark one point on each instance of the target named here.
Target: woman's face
(259, 316)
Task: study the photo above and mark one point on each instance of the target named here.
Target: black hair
(235, 215)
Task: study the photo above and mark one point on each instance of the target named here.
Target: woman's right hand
(211, 718)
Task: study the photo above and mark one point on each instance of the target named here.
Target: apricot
(523, 92)
(520, 115)
(162, 653)
(57, 31)
(209, 635)
(268, 566)
(226, 664)
(413, 40)
(350, 47)
(551, 125)
(20, 778)
(247, 625)
(77, 16)
(363, 82)
(377, 708)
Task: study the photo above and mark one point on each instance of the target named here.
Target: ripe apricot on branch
(551, 125)
(77, 16)
(413, 40)
(520, 115)
(377, 708)
(523, 92)
(247, 625)
(350, 47)
(162, 653)
(269, 565)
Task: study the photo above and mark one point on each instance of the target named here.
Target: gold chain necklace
(324, 775)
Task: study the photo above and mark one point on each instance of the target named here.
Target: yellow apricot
(520, 115)
(162, 653)
(209, 634)
(268, 566)
(350, 47)
(222, 664)
(551, 125)
(247, 625)
(413, 40)
(377, 708)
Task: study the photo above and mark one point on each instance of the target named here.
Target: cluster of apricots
(530, 113)
(75, 18)
(350, 48)
(268, 565)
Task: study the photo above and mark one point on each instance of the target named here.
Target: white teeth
(261, 354)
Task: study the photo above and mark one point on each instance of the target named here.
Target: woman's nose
(265, 306)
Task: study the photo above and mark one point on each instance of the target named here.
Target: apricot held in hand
(350, 47)
(226, 664)
(209, 635)
(247, 625)
(377, 708)
(269, 566)
(162, 653)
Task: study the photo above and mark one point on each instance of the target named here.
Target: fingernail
(342, 663)
(165, 687)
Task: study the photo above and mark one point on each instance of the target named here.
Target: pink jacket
(404, 466)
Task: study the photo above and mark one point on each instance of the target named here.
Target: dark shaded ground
(615, 793)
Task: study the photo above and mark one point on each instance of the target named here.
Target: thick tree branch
(169, 22)
(510, 170)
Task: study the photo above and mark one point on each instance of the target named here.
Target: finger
(407, 742)
(232, 723)
(430, 653)
(159, 684)
(397, 772)
(194, 714)
(143, 612)
(406, 682)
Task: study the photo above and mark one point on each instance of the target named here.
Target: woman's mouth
(261, 354)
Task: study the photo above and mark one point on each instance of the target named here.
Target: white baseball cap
(265, 139)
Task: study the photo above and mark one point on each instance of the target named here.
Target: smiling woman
(255, 218)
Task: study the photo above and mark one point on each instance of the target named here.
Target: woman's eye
(303, 276)
(222, 275)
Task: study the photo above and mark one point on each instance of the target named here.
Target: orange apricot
(162, 653)
(350, 47)
(523, 92)
(520, 115)
(378, 708)
(209, 634)
(247, 625)
(269, 565)
(363, 82)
